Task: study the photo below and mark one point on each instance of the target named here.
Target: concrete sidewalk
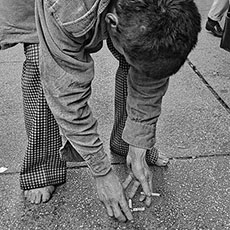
(194, 130)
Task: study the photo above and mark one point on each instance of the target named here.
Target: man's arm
(144, 101)
(66, 74)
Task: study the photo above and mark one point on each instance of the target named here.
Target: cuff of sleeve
(138, 134)
(98, 163)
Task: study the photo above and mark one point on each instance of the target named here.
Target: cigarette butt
(152, 194)
(130, 204)
(3, 169)
(142, 209)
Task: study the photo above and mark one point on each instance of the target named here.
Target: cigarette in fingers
(130, 204)
(151, 194)
(142, 209)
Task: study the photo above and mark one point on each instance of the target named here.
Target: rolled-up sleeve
(144, 101)
(66, 74)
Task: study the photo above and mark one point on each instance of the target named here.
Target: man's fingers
(142, 197)
(147, 196)
(118, 213)
(109, 209)
(151, 182)
(150, 179)
(134, 188)
(128, 180)
(145, 185)
(148, 201)
(126, 209)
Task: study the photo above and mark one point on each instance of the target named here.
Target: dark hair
(158, 35)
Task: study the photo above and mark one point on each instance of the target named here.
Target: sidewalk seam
(8, 62)
(216, 95)
(122, 163)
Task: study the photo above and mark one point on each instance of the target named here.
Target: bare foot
(39, 195)
(162, 160)
(155, 157)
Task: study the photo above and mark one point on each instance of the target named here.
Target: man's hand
(139, 173)
(110, 192)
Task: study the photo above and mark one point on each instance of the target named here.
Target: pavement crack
(9, 62)
(123, 163)
(200, 156)
(216, 95)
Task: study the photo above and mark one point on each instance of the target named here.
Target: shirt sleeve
(144, 101)
(67, 71)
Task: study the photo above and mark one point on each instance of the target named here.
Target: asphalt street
(193, 130)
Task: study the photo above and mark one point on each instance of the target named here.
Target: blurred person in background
(215, 15)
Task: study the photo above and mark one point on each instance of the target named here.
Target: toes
(162, 160)
(38, 198)
(26, 194)
(32, 197)
(50, 189)
(165, 160)
(45, 197)
(39, 195)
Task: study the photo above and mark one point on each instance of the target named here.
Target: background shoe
(214, 27)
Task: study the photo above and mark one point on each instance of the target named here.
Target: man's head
(155, 36)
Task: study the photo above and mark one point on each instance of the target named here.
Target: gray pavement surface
(193, 131)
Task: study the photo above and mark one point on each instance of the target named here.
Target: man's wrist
(99, 164)
(106, 173)
(139, 134)
(137, 149)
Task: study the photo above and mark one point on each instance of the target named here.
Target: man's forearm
(66, 73)
(143, 107)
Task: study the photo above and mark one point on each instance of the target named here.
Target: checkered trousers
(117, 144)
(42, 165)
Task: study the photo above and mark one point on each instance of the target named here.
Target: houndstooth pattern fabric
(117, 144)
(42, 165)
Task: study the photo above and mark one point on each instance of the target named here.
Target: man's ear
(112, 20)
